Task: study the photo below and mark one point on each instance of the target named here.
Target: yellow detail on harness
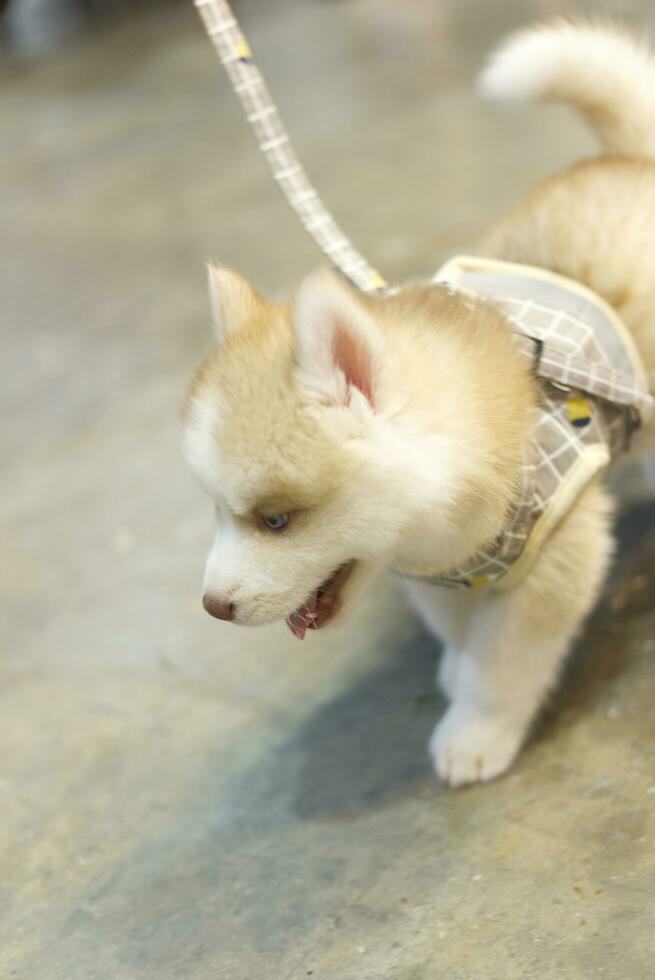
(377, 281)
(578, 410)
(243, 51)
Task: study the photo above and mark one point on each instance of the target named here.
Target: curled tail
(606, 74)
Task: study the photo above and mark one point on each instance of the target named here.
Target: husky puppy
(342, 433)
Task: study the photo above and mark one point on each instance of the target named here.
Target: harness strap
(580, 374)
(274, 142)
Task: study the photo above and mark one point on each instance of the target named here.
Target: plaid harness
(593, 394)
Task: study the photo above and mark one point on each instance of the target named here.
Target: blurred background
(180, 798)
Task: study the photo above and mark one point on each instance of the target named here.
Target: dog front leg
(446, 613)
(515, 645)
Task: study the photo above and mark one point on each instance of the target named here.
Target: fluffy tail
(606, 74)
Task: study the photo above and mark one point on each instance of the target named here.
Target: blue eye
(275, 522)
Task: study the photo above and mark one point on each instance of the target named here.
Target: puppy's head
(290, 429)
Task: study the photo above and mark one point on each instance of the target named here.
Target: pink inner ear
(354, 359)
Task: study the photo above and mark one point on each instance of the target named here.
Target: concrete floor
(183, 799)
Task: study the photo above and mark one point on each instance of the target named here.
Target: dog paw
(467, 747)
(447, 671)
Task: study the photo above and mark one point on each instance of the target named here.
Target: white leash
(274, 142)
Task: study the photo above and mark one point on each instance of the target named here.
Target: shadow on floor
(369, 745)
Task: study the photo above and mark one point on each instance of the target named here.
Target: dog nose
(218, 607)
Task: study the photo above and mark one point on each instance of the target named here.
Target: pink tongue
(297, 626)
(300, 618)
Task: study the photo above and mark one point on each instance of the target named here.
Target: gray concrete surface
(182, 799)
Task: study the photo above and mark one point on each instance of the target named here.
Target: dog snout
(218, 608)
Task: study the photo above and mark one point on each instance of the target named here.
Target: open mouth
(321, 605)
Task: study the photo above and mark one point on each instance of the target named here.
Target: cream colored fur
(607, 74)
(391, 429)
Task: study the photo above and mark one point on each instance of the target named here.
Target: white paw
(447, 671)
(467, 747)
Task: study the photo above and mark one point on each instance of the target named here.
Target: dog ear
(233, 301)
(339, 346)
